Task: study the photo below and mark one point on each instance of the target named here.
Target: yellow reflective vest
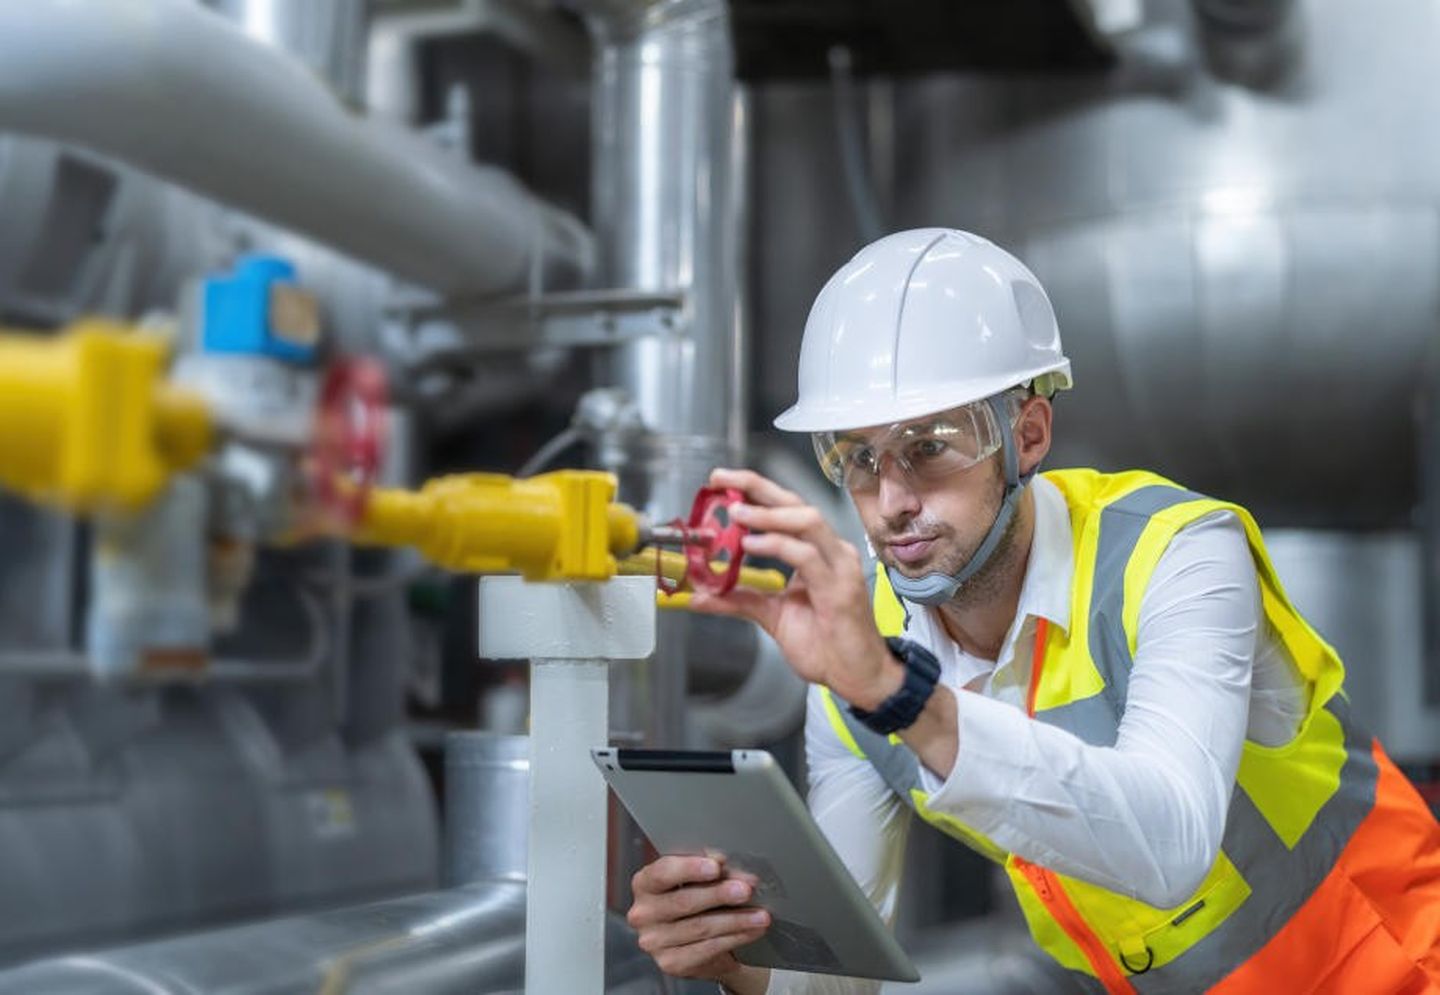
(1295, 807)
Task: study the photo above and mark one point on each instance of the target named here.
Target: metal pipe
(67, 665)
(665, 117)
(487, 791)
(664, 195)
(256, 130)
(664, 105)
(467, 939)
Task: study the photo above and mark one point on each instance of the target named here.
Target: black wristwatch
(901, 709)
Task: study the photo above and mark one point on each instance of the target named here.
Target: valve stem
(676, 535)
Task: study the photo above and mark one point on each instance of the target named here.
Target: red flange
(349, 439)
(718, 539)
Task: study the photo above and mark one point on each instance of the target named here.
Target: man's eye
(863, 458)
(928, 448)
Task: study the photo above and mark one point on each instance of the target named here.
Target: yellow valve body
(87, 422)
(559, 526)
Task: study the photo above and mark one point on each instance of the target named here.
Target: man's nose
(897, 497)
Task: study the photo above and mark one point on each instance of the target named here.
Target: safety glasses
(926, 449)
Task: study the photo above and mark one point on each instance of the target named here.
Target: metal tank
(128, 814)
(469, 938)
(1238, 229)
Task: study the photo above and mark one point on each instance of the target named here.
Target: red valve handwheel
(709, 515)
(350, 437)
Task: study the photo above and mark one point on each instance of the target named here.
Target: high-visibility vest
(1328, 875)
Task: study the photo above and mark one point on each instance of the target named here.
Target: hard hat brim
(836, 416)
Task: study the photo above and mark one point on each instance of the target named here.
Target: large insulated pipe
(173, 88)
(487, 801)
(666, 219)
(469, 939)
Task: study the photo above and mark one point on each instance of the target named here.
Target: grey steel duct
(173, 88)
(667, 212)
(664, 121)
(465, 941)
(487, 807)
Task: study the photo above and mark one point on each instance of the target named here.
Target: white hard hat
(920, 322)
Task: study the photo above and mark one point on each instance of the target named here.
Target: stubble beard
(989, 581)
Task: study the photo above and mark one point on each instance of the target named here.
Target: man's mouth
(911, 550)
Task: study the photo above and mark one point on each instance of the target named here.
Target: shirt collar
(1050, 573)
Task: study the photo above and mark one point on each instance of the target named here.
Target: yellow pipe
(559, 526)
(87, 422)
(673, 566)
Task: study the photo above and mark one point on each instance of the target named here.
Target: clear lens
(926, 449)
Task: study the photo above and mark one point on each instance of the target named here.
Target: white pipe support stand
(570, 633)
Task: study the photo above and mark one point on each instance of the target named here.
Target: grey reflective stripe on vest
(896, 763)
(1280, 879)
(1096, 719)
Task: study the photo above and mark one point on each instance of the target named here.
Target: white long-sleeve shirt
(1143, 818)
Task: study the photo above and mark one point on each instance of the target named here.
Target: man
(1101, 684)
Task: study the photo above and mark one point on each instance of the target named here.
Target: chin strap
(938, 588)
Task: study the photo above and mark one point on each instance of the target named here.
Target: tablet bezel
(739, 803)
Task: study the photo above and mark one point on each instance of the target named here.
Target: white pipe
(565, 906)
(568, 632)
(173, 88)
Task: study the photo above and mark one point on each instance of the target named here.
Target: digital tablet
(740, 805)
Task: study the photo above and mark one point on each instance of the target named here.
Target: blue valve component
(259, 310)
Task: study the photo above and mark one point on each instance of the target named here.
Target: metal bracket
(577, 319)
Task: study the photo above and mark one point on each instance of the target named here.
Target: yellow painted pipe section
(87, 421)
(558, 526)
(672, 567)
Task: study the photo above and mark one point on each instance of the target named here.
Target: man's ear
(1032, 433)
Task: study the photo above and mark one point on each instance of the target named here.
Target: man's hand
(822, 621)
(691, 913)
